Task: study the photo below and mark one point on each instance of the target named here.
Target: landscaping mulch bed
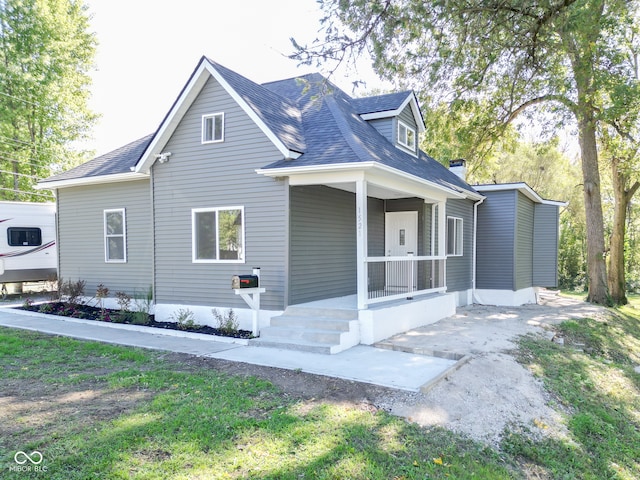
(88, 312)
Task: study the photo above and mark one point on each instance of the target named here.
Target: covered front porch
(377, 237)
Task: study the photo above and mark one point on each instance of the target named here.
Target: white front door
(401, 239)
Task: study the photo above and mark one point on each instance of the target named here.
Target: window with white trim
(213, 128)
(115, 236)
(218, 234)
(455, 237)
(406, 136)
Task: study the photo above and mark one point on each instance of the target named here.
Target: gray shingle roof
(335, 133)
(310, 116)
(380, 103)
(118, 161)
(281, 115)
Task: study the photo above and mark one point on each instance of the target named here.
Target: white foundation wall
(506, 298)
(463, 298)
(378, 323)
(203, 315)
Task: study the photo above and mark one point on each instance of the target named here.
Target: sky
(148, 49)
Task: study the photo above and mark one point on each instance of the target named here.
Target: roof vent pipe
(459, 167)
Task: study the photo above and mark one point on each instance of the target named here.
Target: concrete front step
(319, 323)
(322, 330)
(301, 333)
(335, 313)
(298, 345)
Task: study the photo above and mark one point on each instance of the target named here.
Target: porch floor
(350, 302)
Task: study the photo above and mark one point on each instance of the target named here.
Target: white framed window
(455, 236)
(213, 128)
(406, 136)
(218, 234)
(115, 236)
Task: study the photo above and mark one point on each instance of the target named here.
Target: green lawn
(592, 377)
(102, 411)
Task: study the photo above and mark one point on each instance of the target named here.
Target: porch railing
(392, 278)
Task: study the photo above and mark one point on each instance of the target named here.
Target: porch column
(442, 237)
(361, 241)
(442, 229)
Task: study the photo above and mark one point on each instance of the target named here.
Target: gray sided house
(357, 233)
(517, 244)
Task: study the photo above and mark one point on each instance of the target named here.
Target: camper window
(24, 237)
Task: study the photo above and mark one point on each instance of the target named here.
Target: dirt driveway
(492, 390)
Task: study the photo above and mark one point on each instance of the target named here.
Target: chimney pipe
(459, 168)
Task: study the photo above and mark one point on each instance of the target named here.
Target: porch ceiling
(373, 190)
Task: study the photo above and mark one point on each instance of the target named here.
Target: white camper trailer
(27, 242)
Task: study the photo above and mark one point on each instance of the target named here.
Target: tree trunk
(622, 197)
(596, 267)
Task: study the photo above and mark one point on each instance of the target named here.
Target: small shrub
(228, 323)
(72, 291)
(140, 318)
(102, 292)
(144, 302)
(124, 301)
(123, 316)
(46, 308)
(185, 319)
(27, 303)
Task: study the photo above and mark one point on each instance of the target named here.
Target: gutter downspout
(153, 236)
(475, 246)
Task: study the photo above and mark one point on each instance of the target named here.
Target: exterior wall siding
(323, 243)
(524, 243)
(385, 127)
(81, 236)
(495, 241)
(218, 175)
(545, 246)
(460, 269)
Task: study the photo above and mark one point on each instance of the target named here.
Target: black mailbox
(244, 281)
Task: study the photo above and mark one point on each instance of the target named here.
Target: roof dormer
(396, 116)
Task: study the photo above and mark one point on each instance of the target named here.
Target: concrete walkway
(405, 371)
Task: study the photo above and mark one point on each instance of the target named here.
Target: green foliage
(592, 377)
(464, 129)
(571, 255)
(46, 53)
(185, 319)
(227, 323)
(144, 303)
